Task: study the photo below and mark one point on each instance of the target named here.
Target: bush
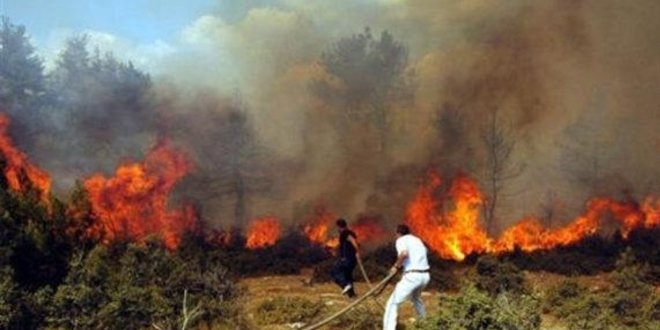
(8, 291)
(560, 300)
(628, 304)
(473, 309)
(281, 310)
(360, 318)
(133, 286)
(495, 276)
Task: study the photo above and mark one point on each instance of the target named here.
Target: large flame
(456, 232)
(133, 204)
(318, 225)
(263, 232)
(20, 174)
(452, 233)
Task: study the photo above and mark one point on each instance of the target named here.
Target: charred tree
(499, 168)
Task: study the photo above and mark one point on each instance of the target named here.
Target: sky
(150, 32)
(136, 29)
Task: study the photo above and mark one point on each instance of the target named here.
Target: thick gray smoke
(573, 82)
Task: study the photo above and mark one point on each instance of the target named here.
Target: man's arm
(399, 261)
(353, 242)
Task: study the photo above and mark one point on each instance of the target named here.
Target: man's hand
(393, 270)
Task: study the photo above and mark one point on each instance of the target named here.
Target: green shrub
(360, 318)
(560, 299)
(495, 276)
(281, 309)
(7, 293)
(473, 309)
(629, 303)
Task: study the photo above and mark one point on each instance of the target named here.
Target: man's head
(341, 223)
(402, 230)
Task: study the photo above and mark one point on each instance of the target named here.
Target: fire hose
(366, 278)
(372, 292)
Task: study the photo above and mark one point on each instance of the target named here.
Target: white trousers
(410, 286)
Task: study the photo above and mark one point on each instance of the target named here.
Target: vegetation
(282, 310)
(473, 309)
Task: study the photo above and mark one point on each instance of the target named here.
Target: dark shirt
(346, 249)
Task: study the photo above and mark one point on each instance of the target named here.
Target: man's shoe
(347, 288)
(351, 293)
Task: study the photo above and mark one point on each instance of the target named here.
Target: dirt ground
(263, 288)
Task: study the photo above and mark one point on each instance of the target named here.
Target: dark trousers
(342, 271)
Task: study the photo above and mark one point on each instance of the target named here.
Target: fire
(368, 230)
(651, 208)
(263, 232)
(455, 233)
(133, 204)
(451, 233)
(20, 174)
(317, 228)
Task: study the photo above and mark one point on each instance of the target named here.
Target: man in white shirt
(411, 257)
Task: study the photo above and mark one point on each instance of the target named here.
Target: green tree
(371, 72)
(21, 70)
(99, 107)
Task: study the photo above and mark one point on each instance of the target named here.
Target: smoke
(545, 67)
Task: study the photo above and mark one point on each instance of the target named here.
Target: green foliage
(360, 318)
(95, 104)
(495, 276)
(473, 309)
(132, 286)
(629, 303)
(21, 71)
(560, 299)
(7, 296)
(283, 309)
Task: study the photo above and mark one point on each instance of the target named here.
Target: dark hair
(341, 223)
(402, 229)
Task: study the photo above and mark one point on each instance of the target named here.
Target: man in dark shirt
(342, 272)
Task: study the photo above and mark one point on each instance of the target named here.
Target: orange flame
(456, 233)
(317, 228)
(20, 174)
(263, 232)
(368, 231)
(133, 204)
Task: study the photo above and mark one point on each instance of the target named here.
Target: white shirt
(416, 259)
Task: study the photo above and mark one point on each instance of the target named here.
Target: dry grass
(260, 289)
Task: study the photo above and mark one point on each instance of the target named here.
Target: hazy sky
(144, 31)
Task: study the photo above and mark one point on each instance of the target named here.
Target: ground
(260, 289)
